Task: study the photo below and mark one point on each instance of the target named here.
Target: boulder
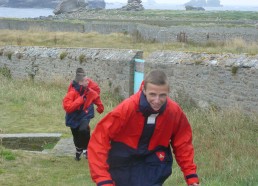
(194, 8)
(133, 5)
(68, 6)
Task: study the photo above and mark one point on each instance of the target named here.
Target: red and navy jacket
(131, 145)
(78, 104)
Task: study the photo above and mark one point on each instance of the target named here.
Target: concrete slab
(64, 147)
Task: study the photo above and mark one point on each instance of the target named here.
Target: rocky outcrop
(68, 6)
(203, 3)
(194, 8)
(133, 5)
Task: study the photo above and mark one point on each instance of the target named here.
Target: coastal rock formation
(67, 6)
(194, 8)
(203, 3)
(133, 5)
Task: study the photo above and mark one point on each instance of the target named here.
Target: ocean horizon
(6, 12)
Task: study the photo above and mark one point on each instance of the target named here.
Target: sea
(6, 12)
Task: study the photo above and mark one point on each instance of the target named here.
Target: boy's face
(156, 95)
(84, 82)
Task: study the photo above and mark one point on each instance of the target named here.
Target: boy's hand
(100, 109)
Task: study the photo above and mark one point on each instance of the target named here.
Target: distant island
(204, 3)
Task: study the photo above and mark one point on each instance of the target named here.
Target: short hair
(156, 77)
(80, 74)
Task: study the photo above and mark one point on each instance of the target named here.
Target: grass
(167, 15)
(36, 169)
(120, 41)
(225, 142)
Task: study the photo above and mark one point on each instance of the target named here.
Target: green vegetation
(120, 40)
(225, 142)
(49, 146)
(9, 55)
(152, 16)
(168, 15)
(6, 154)
(234, 70)
(82, 58)
(63, 55)
(5, 71)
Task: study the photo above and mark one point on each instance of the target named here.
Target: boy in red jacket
(131, 145)
(78, 104)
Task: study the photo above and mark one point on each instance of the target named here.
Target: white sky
(223, 2)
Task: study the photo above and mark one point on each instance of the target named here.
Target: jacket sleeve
(94, 86)
(99, 147)
(71, 102)
(100, 106)
(181, 142)
(96, 100)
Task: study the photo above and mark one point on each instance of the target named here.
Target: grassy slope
(118, 40)
(225, 142)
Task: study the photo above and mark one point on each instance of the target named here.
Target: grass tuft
(7, 154)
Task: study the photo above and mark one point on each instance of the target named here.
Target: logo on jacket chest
(161, 155)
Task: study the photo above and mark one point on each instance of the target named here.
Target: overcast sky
(223, 2)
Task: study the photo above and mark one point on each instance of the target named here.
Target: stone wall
(219, 80)
(29, 141)
(170, 33)
(113, 69)
(197, 34)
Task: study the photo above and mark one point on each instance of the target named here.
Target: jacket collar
(77, 87)
(146, 109)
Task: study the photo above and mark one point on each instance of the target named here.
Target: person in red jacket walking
(131, 145)
(78, 104)
(90, 83)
